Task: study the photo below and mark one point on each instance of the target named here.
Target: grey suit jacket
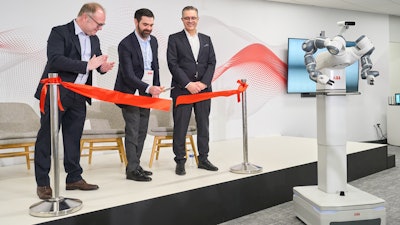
(183, 66)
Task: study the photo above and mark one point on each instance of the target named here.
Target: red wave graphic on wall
(18, 46)
(264, 72)
(256, 53)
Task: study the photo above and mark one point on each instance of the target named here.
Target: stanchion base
(246, 168)
(55, 207)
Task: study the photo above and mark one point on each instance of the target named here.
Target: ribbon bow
(43, 93)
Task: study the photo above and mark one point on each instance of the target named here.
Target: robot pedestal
(357, 207)
(333, 201)
(331, 138)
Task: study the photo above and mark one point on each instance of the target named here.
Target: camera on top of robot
(338, 55)
(346, 23)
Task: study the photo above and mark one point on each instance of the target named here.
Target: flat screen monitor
(397, 98)
(299, 81)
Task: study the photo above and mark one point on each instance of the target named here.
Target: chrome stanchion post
(245, 167)
(56, 206)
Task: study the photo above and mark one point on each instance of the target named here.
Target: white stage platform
(275, 154)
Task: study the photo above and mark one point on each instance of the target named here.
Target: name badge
(148, 77)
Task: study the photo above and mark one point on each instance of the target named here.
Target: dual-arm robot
(338, 55)
(333, 200)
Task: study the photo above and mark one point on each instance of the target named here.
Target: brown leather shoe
(81, 185)
(44, 192)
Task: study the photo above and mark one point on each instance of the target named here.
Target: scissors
(167, 89)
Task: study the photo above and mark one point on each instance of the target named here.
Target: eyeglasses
(189, 18)
(98, 24)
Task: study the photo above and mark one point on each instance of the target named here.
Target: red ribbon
(105, 95)
(43, 93)
(188, 99)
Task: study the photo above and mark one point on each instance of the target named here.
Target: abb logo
(357, 214)
(336, 77)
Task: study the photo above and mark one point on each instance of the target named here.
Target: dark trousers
(136, 124)
(72, 121)
(182, 114)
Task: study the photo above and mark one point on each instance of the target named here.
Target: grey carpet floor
(385, 185)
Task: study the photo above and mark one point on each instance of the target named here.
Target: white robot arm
(338, 56)
(366, 48)
(310, 47)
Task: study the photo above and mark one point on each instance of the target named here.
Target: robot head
(336, 46)
(345, 25)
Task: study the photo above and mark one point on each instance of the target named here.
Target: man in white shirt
(73, 52)
(191, 61)
(138, 71)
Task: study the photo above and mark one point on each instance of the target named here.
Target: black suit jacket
(131, 66)
(64, 56)
(183, 65)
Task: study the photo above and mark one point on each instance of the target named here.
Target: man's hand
(107, 66)
(155, 91)
(95, 61)
(195, 87)
(201, 85)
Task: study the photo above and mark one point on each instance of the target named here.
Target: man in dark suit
(191, 61)
(138, 71)
(73, 51)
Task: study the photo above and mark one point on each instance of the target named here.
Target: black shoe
(137, 176)
(207, 165)
(180, 169)
(145, 172)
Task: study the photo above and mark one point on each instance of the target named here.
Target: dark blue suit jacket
(64, 56)
(183, 65)
(131, 66)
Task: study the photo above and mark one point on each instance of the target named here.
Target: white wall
(393, 119)
(233, 25)
(394, 23)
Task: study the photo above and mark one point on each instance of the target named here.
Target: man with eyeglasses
(191, 61)
(73, 52)
(138, 70)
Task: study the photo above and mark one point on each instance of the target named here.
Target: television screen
(298, 77)
(397, 98)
